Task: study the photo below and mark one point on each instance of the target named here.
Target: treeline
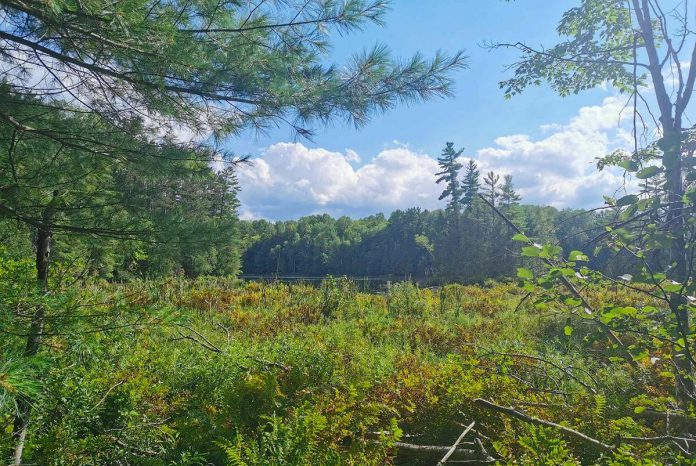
(409, 243)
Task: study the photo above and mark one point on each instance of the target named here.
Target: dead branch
(685, 421)
(267, 364)
(541, 422)
(456, 443)
(103, 398)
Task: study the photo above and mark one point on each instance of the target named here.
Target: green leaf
(571, 301)
(648, 172)
(577, 256)
(550, 251)
(521, 238)
(629, 165)
(639, 409)
(530, 251)
(525, 273)
(568, 330)
(672, 287)
(690, 196)
(628, 200)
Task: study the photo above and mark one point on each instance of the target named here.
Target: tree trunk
(678, 254)
(21, 421)
(671, 119)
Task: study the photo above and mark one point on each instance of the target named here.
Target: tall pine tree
(492, 187)
(449, 243)
(449, 174)
(508, 197)
(471, 184)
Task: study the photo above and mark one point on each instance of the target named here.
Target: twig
(566, 371)
(456, 443)
(103, 398)
(268, 364)
(201, 340)
(427, 448)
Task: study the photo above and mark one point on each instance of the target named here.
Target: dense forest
(508, 334)
(410, 244)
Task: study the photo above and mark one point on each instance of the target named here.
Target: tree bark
(43, 254)
(678, 254)
(671, 144)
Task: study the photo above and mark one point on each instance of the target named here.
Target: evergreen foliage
(471, 185)
(449, 174)
(127, 338)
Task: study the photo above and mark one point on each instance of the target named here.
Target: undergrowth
(217, 371)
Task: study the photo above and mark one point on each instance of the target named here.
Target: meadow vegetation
(219, 371)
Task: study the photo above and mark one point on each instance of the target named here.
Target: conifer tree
(471, 185)
(449, 244)
(449, 174)
(508, 196)
(492, 187)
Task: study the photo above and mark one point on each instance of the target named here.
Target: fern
(600, 406)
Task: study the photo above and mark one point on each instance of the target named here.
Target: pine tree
(448, 246)
(508, 196)
(472, 227)
(471, 185)
(449, 174)
(491, 187)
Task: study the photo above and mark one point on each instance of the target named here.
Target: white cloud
(289, 180)
(559, 169)
(353, 156)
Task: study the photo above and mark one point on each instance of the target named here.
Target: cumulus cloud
(558, 168)
(290, 179)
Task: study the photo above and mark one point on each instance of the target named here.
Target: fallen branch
(541, 422)
(199, 339)
(686, 421)
(675, 441)
(429, 448)
(483, 453)
(267, 364)
(103, 398)
(456, 443)
(660, 439)
(486, 461)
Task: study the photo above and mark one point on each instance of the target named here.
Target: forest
(414, 244)
(144, 321)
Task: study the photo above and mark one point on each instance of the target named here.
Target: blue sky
(388, 164)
